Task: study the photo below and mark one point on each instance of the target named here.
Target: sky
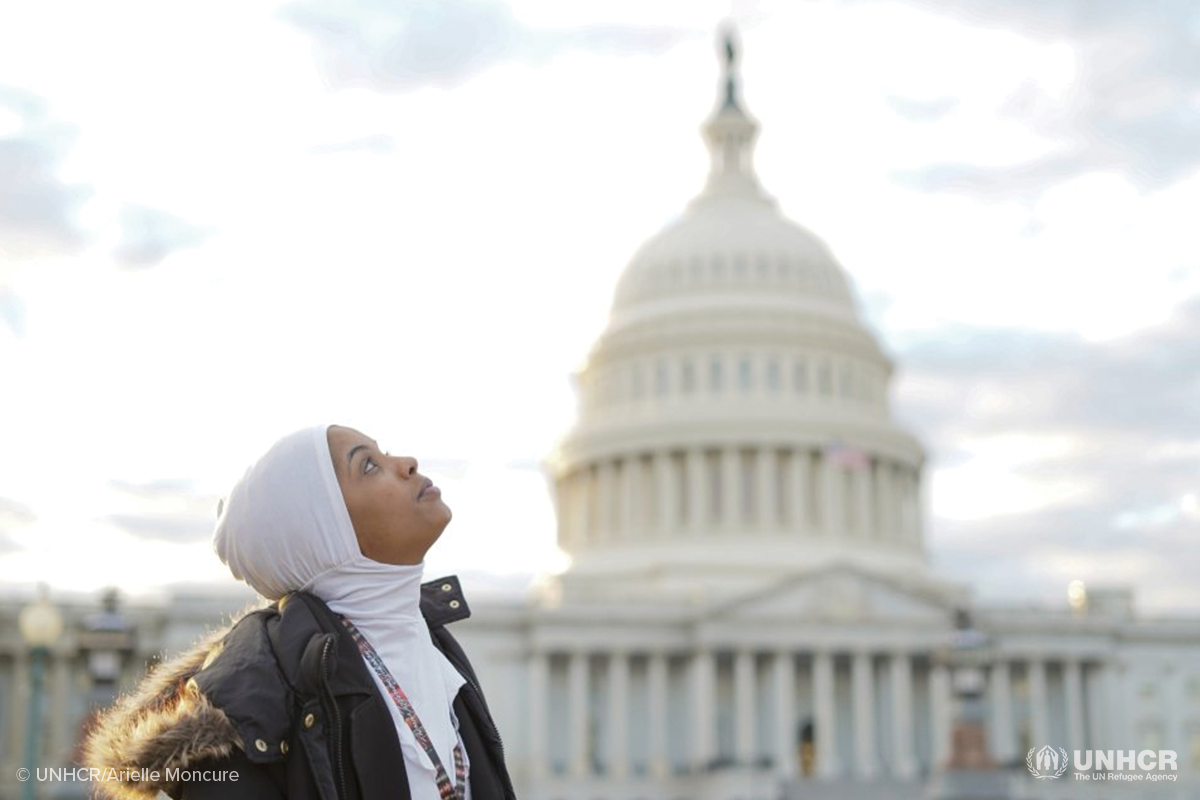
(220, 222)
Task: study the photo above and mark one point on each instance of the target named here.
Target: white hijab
(284, 527)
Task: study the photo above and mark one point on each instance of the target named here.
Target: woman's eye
(369, 464)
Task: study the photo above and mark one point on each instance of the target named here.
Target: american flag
(842, 454)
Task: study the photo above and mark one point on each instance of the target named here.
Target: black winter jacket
(283, 699)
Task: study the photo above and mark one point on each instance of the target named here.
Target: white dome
(733, 416)
(730, 245)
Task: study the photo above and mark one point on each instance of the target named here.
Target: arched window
(715, 376)
(745, 374)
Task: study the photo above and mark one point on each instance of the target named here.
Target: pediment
(845, 595)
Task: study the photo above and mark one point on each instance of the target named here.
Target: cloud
(397, 47)
(922, 110)
(12, 515)
(12, 311)
(179, 528)
(15, 513)
(149, 235)
(37, 208)
(1126, 416)
(1129, 110)
(169, 509)
(377, 144)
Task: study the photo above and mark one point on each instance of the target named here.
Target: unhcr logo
(1097, 765)
(1047, 762)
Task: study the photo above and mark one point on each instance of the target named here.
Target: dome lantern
(730, 133)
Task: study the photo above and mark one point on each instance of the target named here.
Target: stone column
(1004, 748)
(862, 503)
(703, 707)
(1172, 694)
(825, 714)
(1107, 731)
(731, 488)
(1073, 689)
(656, 685)
(831, 498)
(667, 490)
(941, 711)
(618, 714)
(699, 519)
(889, 517)
(864, 715)
(767, 489)
(1036, 672)
(577, 686)
(631, 480)
(743, 703)
(904, 762)
(606, 494)
(801, 501)
(784, 673)
(577, 499)
(539, 739)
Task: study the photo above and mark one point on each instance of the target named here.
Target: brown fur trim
(165, 723)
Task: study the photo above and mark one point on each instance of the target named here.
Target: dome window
(825, 379)
(688, 377)
(715, 376)
(662, 379)
(773, 375)
(745, 374)
(800, 376)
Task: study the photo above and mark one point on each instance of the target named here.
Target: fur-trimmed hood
(165, 724)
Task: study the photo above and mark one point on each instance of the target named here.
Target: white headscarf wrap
(284, 527)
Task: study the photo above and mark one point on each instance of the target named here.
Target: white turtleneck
(383, 602)
(285, 527)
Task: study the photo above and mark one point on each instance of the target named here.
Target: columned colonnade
(705, 489)
(647, 714)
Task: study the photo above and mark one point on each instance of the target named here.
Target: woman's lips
(429, 488)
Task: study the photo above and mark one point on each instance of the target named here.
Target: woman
(348, 685)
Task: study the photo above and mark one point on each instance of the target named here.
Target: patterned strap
(445, 789)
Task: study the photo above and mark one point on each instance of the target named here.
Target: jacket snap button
(261, 745)
(446, 587)
(309, 719)
(454, 604)
(283, 747)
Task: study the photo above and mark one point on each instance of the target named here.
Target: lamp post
(41, 624)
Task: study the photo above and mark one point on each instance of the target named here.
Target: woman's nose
(407, 465)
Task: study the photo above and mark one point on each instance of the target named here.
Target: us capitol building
(750, 613)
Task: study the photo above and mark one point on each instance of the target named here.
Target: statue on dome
(730, 62)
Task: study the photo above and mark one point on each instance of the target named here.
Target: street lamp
(41, 624)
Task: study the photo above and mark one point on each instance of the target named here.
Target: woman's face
(397, 513)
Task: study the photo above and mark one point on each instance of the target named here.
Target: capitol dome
(733, 415)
